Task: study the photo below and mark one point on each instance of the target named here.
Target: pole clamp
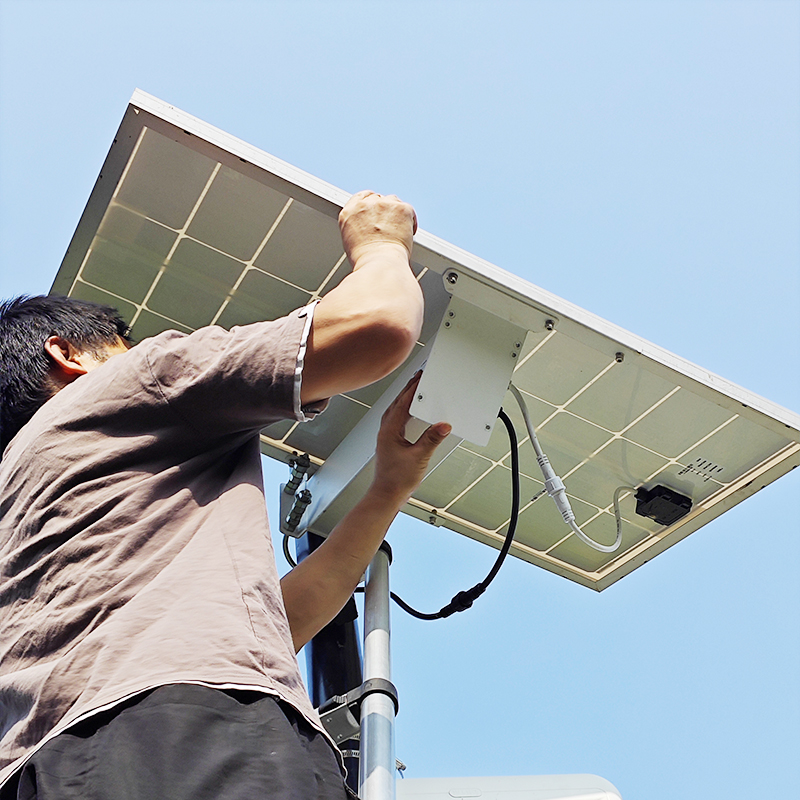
(341, 713)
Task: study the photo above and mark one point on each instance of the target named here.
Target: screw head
(620, 357)
(447, 324)
(419, 397)
(452, 277)
(488, 427)
(549, 325)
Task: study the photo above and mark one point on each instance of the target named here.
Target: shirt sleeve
(243, 379)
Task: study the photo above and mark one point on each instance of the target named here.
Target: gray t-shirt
(134, 544)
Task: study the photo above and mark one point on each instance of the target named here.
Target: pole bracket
(341, 713)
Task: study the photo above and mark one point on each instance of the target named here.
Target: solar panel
(187, 226)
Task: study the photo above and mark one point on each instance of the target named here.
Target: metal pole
(377, 764)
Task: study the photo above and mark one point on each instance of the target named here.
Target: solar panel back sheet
(188, 226)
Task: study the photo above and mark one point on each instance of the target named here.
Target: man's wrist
(387, 253)
(389, 494)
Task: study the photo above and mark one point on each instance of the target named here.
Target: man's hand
(400, 465)
(369, 220)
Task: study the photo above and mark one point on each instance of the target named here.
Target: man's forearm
(317, 588)
(367, 325)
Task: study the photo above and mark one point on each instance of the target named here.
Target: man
(147, 647)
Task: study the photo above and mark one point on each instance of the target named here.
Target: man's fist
(369, 220)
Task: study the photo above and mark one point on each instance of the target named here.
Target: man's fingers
(404, 399)
(411, 386)
(369, 218)
(434, 435)
(351, 203)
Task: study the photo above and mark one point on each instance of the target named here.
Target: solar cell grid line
(249, 264)
(181, 235)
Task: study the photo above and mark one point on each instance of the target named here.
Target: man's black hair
(25, 324)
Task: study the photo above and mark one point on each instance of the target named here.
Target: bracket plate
(468, 371)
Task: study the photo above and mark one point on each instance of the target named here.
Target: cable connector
(301, 502)
(462, 601)
(299, 467)
(555, 488)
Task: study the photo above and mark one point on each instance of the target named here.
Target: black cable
(286, 553)
(464, 600)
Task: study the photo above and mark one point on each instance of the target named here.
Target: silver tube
(376, 763)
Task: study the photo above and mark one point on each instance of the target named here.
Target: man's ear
(68, 363)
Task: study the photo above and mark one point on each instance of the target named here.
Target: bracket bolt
(549, 325)
(620, 357)
(451, 278)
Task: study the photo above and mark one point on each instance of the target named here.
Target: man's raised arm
(368, 324)
(317, 588)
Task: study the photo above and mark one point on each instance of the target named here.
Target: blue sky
(640, 159)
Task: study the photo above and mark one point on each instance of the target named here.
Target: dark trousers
(185, 742)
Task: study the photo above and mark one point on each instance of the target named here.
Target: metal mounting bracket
(341, 714)
(469, 365)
